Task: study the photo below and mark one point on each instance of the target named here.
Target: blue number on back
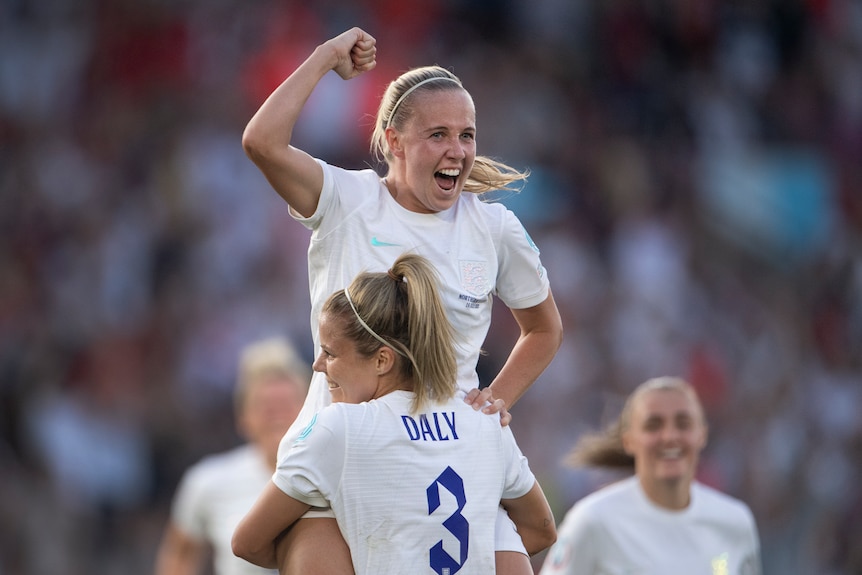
(441, 562)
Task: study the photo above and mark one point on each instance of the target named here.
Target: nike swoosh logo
(377, 243)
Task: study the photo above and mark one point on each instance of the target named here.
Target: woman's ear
(393, 141)
(626, 441)
(704, 436)
(385, 360)
(243, 426)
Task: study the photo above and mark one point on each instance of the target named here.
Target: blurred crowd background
(696, 191)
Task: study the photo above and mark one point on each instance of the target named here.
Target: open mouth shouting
(446, 178)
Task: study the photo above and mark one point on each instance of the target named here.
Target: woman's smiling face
(352, 377)
(437, 148)
(665, 435)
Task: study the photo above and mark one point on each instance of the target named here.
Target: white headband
(413, 87)
(365, 325)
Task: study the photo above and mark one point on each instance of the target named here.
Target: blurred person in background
(660, 521)
(425, 131)
(216, 492)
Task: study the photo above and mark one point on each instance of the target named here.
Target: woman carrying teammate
(402, 461)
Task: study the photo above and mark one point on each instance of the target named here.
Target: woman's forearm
(540, 338)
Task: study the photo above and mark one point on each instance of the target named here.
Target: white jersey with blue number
(479, 250)
(412, 493)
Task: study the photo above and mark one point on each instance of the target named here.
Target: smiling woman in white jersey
(661, 521)
(402, 460)
(425, 131)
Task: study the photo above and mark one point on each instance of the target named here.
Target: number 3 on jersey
(441, 562)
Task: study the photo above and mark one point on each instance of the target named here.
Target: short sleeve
(522, 280)
(576, 549)
(327, 196)
(188, 507)
(311, 470)
(752, 564)
(519, 476)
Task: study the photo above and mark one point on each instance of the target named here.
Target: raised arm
(534, 519)
(293, 173)
(256, 535)
(540, 338)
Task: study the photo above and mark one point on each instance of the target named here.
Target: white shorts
(506, 536)
(325, 512)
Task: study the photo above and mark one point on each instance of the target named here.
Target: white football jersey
(412, 493)
(479, 250)
(617, 530)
